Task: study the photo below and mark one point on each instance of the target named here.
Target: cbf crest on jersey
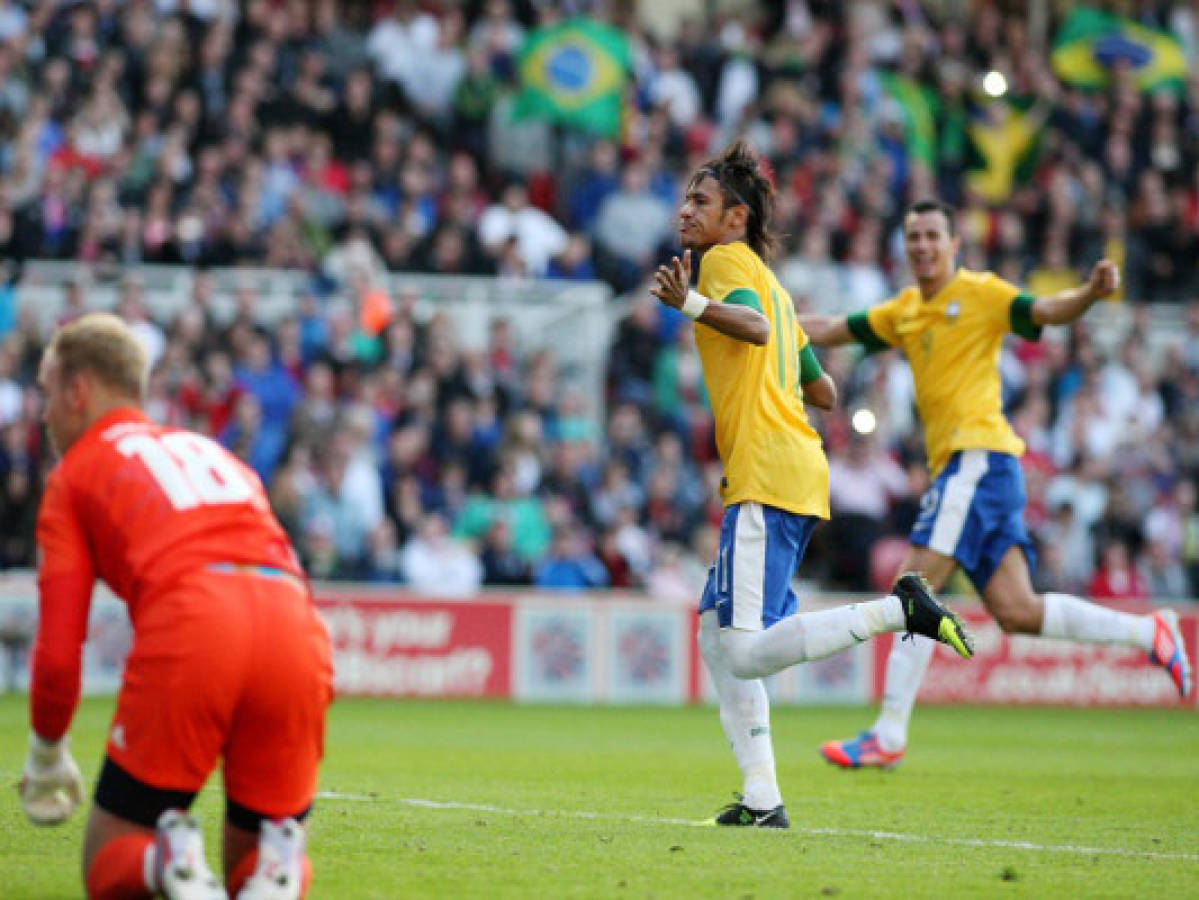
(953, 310)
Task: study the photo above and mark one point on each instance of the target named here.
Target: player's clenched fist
(51, 785)
(1105, 278)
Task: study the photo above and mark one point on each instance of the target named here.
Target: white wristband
(695, 304)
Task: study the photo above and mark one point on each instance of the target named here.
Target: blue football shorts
(749, 586)
(974, 512)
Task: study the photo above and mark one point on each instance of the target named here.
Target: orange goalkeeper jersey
(138, 506)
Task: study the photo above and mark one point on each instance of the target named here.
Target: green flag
(1091, 42)
(575, 73)
(919, 116)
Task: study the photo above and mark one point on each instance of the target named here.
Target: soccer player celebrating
(950, 326)
(229, 657)
(759, 368)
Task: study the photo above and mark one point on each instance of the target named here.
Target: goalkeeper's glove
(51, 786)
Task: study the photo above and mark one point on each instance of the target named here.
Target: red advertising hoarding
(423, 648)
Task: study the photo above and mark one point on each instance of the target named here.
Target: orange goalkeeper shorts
(233, 662)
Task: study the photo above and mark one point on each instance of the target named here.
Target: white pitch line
(356, 798)
(819, 832)
(569, 813)
(1005, 845)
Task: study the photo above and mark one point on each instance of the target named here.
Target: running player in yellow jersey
(950, 325)
(759, 370)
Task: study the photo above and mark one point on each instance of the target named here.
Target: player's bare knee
(1018, 617)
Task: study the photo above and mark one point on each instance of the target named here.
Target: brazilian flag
(919, 107)
(574, 73)
(1091, 43)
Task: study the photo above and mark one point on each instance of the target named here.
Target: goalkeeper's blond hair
(102, 345)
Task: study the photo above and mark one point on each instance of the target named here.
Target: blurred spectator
(384, 562)
(680, 396)
(474, 98)
(619, 568)
(433, 562)
(615, 493)
(12, 398)
(1122, 520)
(570, 565)
(209, 396)
(525, 514)
(1165, 578)
(18, 512)
(537, 237)
(630, 227)
(400, 43)
(673, 88)
(431, 81)
(501, 565)
(1071, 559)
(627, 442)
(812, 277)
(361, 486)
(1053, 274)
(593, 184)
(1117, 578)
(132, 309)
(275, 395)
(635, 347)
(574, 262)
(862, 481)
(335, 529)
(1053, 574)
(672, 579)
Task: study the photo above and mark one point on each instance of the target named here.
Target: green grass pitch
(599, 802)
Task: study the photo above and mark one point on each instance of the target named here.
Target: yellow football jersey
(952, 342)
(771, 454)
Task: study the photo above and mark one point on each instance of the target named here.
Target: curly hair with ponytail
(743, 183)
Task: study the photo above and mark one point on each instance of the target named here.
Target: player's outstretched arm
(826, 331)
(1071, 304)
(740, 322)
(821, 392)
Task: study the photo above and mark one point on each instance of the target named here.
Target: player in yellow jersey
(759, 369)
(950, 325)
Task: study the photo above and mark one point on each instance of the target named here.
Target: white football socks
(1076, 619)
(737, 661)
(906, 665)
(745, 715)
(808, 636)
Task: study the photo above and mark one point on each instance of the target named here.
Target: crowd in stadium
(352, 138)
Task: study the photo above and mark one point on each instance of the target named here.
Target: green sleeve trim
(809, 365)
(745, 297)
(859, 327)
(1021, 318)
